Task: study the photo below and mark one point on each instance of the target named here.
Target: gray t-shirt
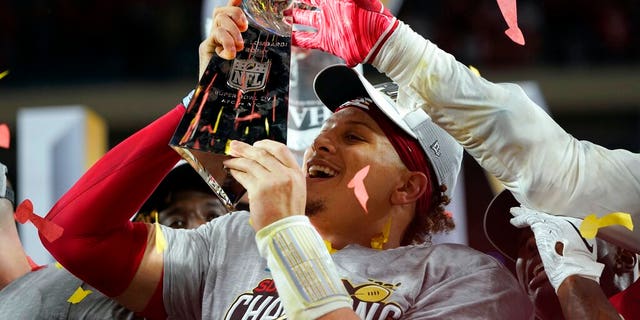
(43, 294)
(216, 272)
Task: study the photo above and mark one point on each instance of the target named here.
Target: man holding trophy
(345, 237)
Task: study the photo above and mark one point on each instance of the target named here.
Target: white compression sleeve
(303, 271)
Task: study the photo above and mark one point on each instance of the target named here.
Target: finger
(231, 19)
(371, 5)
(518, 211)
(306, 40)
(229, 38)
(306, 17)
(240, 170)
(225, 36)
(308, 2)
(260, 156)
(522, 217)
(234, 13)
(280, 151)
(519, 222)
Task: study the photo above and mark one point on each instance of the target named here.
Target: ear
(413, 186)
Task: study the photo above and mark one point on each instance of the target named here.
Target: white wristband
(303, 271)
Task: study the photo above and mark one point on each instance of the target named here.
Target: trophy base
(210, 168)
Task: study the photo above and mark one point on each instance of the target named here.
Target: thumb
(523, 217)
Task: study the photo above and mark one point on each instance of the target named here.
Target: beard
(313, 207)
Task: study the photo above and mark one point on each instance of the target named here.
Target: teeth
(320, 171)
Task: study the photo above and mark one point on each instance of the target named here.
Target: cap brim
(181, 178)
(337, 84)
(497, 228)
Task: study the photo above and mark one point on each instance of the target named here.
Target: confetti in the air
(591, 223)
(510, 14)
(5, 136)
(357, 184)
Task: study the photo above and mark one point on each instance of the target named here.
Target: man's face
(533, 279)
(190, 209)
(349, 141)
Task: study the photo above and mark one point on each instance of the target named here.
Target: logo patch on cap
(435, 146)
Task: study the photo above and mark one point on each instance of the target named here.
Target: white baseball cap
(338, 84)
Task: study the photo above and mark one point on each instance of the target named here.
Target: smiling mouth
(318, 171)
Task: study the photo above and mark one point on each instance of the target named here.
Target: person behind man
(182, 200)
(599, 261)
(511, 137)
(13, 260)
(275, 260)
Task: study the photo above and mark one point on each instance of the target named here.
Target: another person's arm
(508, 134)
(100, 244)
(13, 259)
(582, 298)
(570, 264)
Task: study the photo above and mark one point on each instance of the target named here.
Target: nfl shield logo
(249, 75)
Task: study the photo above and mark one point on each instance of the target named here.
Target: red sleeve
(627, 302)
(100, 244)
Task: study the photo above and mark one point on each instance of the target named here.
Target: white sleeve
(512, 138)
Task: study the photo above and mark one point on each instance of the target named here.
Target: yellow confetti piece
(227, 148)
(4, 74)
(161, 242)
(474, 70)
(329, 247)
(378, 241)
(79, 295)
(58, 265)
(591, 223)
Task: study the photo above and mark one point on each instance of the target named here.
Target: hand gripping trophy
(242, 99)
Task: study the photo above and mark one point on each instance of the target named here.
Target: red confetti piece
(49, 230)
(357, 184)
(5, 136)
(509, 12)
(34, 266)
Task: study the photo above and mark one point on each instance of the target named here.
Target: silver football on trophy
(268, 14)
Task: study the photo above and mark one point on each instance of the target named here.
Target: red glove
(353, 30)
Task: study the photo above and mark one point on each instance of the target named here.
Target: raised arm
(100, 244)
(508, 134)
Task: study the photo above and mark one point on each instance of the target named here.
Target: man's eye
(353, 137)
(178, 224)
